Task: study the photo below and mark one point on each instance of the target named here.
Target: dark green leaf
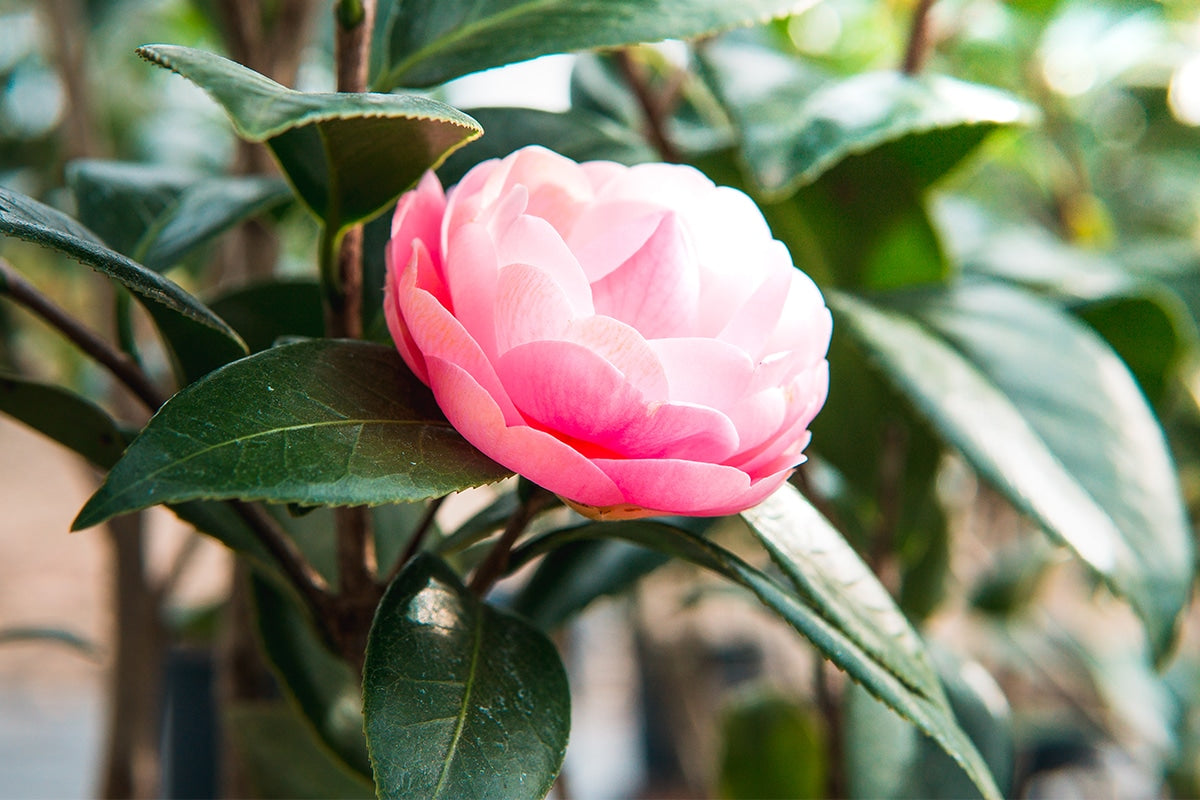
(67, 418)
(317, 423)
(930, 713)
(774, 749)
(571, 577)
(578, 135)
(432, 41)
(1063, 431)
(158, 215)
(265, 312)
(888, 758)
(282, 760)
(25, 218)
(831, 577)
(321, 685)
(347, 155)
(195, 351)
(461, 700)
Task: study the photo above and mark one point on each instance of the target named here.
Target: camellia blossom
(630, 338)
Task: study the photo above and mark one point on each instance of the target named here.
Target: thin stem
(651, 105)
(919, 41)
(420, 532)
(496, 563)
(120, 365)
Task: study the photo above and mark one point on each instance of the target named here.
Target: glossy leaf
(929, 713)
(25, 218)
(321, 422)
(265, 312)
(431, 41)
(282, 760)
(829, 575)
(158, 215)
(461, 700)
(1063, 431)
(347, 155)
(72, 421)
(887, 757)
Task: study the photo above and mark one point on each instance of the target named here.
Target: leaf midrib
(468, 689)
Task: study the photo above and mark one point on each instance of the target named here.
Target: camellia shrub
(763, 305)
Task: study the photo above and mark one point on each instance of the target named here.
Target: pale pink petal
(601, 172)
(706, 371)
(471, 272)
(555, 183)
(534, 241)
(656, 289)
(506, 210)
(606, 235)
(530, 306)
(755, 321)
(464, 200)
(472, 411)
(573, 392)
(437, 334)
(758, 417)
(805, 324)
(806, 394)
(625, 349)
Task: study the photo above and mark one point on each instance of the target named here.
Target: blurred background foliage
(1073, 196)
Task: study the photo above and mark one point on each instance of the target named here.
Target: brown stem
(919, 40)
(65, 18)
(123, 368)
(653, 109)
(303, 575)
(418, 538)
(496, 563)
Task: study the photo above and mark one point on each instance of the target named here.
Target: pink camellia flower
(630, 338)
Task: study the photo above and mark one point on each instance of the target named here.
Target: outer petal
(536, 455)
(419, 216)
(402, 280)
(673, 486)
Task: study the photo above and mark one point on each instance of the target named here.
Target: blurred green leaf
(1063, 431)
(807, 615)
(158, 215)
(320, 422)
(25, 218)
(282, 760)
(347, 155)
(432, 41)
(26, 634)
(887, 757)
(461, 700)
(265, 312)
(774, 749)
(72, 421)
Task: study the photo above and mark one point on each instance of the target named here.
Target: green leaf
(887, 758)
(347, 155)
(281, 758)
(27, 219)
(432, 41)
(321, 422)
(1063, 431)
(265, 312)
(461, 700)
(321, 685)
(830, 576)
(158, 215)
(65, 417)
(774, 749)
(929, 713)
(795, 126)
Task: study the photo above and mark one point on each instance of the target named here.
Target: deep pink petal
(656, 289)
(574, 392)
(675, 486)
(400, 280)
(536, 455)
(419, 216)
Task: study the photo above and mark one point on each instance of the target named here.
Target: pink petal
(755, 321)
(574, 392)
(471, 272)
(464, 200)
(656, 289)
(806, 394)
(530, 306)
(625, 349)
(419, 216)
(675, 486)
(402, 280)
(472, 411)
(556, 185)
(707, 371)
(534, 241)
(606, 235)
(758, 418)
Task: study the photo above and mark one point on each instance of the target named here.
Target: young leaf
(830, 576)
(430, 42)
(1063, 431)
(25, 218)
(158, 215)
(461, 700)
(67, 418)
(316, 423)
(931, 714)
(347, 155)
